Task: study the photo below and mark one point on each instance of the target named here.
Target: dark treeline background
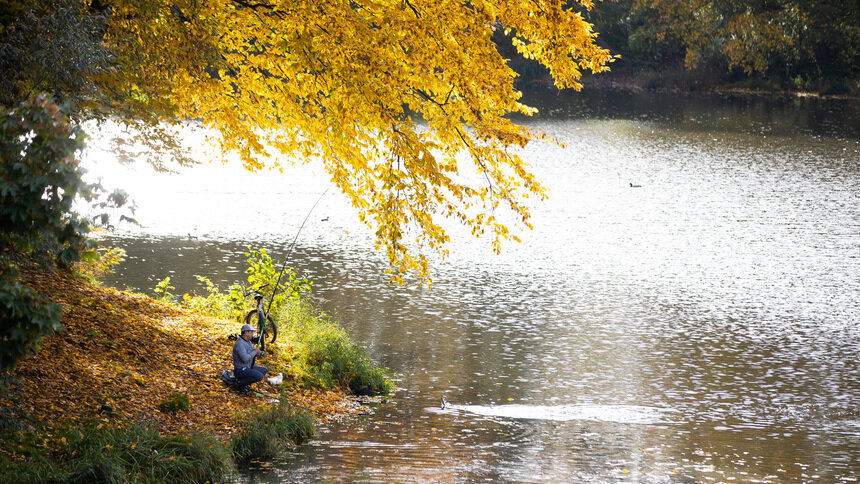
(799, 45)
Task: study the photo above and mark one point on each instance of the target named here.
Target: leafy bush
(63, 62)
(97, 267)
(233, 304)
(27, 317)
(229, 305)
(261, 270)
(330, 358)
(326, 356)
(268, 432)
(40, 180)
(162, 290)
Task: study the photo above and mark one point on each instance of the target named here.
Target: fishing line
(290, 250)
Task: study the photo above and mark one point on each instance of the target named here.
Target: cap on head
(247, 327)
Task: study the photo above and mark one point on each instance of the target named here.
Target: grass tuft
(268, 432)
(331, 358)
(175, 402)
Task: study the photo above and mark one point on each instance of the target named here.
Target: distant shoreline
(652, 82)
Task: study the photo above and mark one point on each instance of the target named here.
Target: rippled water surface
(701, 327)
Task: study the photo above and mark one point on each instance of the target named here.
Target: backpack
(228, 377)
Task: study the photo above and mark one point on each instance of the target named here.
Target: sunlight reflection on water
(602, 413)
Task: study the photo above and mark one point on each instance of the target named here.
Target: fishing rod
(290, 251)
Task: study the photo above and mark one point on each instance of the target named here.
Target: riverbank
(686, 82)
(121, 359)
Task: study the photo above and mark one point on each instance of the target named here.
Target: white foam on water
(630, 414)
(365, 443)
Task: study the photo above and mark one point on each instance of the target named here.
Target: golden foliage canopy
(348, 83)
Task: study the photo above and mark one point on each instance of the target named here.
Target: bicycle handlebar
(252, 291)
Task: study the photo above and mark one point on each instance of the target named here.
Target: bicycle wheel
(267, 334)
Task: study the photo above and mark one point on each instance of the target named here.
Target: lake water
(702, 327)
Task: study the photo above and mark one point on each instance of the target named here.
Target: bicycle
(265, 323)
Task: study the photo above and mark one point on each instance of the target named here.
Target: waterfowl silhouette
(635, 186)
(444, 403)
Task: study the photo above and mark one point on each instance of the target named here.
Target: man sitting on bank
(244, 352)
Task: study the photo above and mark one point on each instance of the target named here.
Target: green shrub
(233, 304)
(162, 291)
(39, 182)
(175, 402)
(332, 358)
(269, 432)
(262, 270)
(27, 318)
(95, 268)
(229, 305)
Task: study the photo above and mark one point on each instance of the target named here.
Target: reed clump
(268, 432)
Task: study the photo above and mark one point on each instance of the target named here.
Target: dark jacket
(243, 354)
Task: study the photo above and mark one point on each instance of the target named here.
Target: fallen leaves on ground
(120, 355)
